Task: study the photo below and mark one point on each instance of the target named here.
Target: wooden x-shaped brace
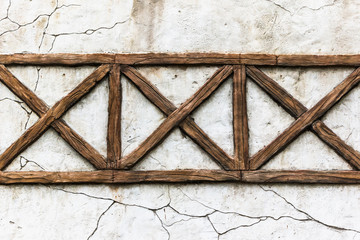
(177, 117)
(305, 118)
(51, 117)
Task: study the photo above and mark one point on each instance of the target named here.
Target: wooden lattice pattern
(115, 168)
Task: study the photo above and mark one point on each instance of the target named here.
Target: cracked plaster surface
(178, 211)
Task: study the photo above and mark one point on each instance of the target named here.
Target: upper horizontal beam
(180, 59)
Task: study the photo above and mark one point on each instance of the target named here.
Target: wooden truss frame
(240, 168)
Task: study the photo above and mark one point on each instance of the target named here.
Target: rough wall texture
(169, 211)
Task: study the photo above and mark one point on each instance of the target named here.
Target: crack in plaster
(20, 103)
(24, 161)
(207, 216)
(310, 218)
(57, 7)
(89, 31)
(303, 7)
(99, 219)
(18, 25)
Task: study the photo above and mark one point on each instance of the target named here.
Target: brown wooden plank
(181, 58)
(181, 176)
(40, 108)
(318, 60)
(188, 125)
(296, 109)
(35, 131)
(110, 176)
(240, 121)
(57, 59)
(305, 120)
(347, 152)
(301, 176)
(195, 58)
(176, 117)
(138, 59)
(114, 119)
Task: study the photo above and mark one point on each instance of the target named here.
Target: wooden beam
(36, 130)
(301, 176)
(240, 120)
(57, 59)
(40, 108)
(305, 120)
(318, 60)
(110, 176)
(180, 59)
(114, 118)
(176, 117)
(296, 109)
(138, 59)
(181, 176)
(188, 125)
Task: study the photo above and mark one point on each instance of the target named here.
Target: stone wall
(179, 211)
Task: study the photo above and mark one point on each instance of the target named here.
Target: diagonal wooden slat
(40, 108)
(305, 120)
(188, 125)
(35, 131)
(114, 118)
(296, 109)
(276, 92)
(328, 136)
(240, 121)
(176, 117)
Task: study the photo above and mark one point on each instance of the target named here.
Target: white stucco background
(179, 211)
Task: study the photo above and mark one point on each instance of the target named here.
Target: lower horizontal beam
(114, 176)
(301, 176)
(180, 176)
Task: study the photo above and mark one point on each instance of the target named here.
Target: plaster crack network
(89, 31)
(208, 216)
(18, 25)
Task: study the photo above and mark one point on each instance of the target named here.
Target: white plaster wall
(179, 211)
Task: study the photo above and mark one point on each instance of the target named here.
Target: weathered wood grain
(138, 59)
(176, 117)
(318, 60)
(181, 176)
(114, 118)
(181, 58)
(301, 176)
(305, 120)
(57, 59)
(35, 131)
(240, 120)
(111, 176)
(188, 125)
(40, 108)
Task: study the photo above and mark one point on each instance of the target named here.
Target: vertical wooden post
(240, 121)
(114, 121)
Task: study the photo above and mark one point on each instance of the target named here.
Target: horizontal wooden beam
(181, 176)
(180, 59)
(114, 176)
(301, 176)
